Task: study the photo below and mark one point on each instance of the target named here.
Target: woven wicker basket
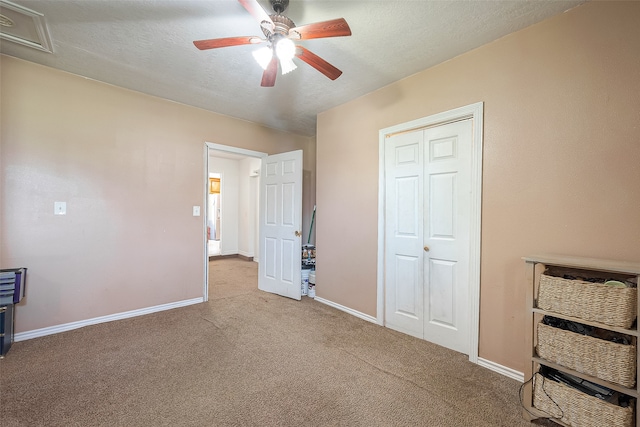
(593, 356)
(575, 408)
(595, 302)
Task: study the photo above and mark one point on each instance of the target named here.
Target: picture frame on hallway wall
(214, 185)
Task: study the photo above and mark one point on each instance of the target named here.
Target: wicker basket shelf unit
(571, 289)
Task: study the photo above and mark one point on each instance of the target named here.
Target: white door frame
(474, 112)
(229, 149)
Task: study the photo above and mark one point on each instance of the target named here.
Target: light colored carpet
(247, 358)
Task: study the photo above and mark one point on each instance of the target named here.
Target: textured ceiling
(146, 45)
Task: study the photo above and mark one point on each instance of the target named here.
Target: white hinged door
(279, 269)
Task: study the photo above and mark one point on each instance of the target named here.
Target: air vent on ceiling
(24, 26)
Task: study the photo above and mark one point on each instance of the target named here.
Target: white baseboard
(22, 336)
(507, 372)
(351, 311)
(246, 254)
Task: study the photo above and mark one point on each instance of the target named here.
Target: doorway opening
(231, 220)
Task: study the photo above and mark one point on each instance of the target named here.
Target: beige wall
(561, 169)
(130, 168)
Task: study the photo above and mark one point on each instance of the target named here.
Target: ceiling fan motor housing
(281, 23)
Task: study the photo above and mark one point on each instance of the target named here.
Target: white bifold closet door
(427, 233)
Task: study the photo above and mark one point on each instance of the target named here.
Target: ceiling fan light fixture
(263, 56)
(287, 66)
(285, 49)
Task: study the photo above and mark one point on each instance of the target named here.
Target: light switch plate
(60, 208)
(196, 211)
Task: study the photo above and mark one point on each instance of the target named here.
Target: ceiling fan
(280, 32)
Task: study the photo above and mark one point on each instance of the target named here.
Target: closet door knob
(426, 248)
(298, 234)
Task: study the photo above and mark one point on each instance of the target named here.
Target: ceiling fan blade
(227, 41)
(333, 28)
(318, 63)
(254, 8)
(269, 75)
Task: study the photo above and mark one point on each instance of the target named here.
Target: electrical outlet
(196, 211)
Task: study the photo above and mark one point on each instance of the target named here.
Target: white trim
(39, 24)
(246, 254)
(36, 333)
(475, 112)
(351, 311)
(507, 372)
(381, 241)
(205, 215)
(236, 150)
